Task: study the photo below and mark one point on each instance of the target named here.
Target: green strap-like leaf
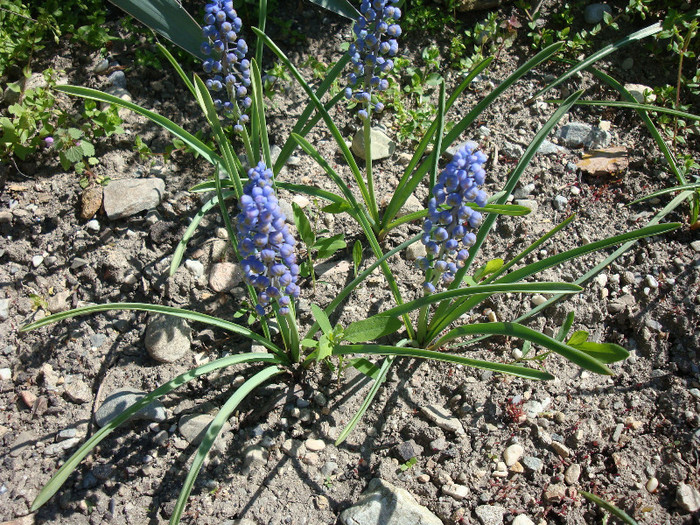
(157, 309)
(339, 7)
(612, 509)
(212, 433)
(578, 357)
(69, 466)
(165, 123)
(418, 353)
(666, 191)
(602, 53)
(371, 329)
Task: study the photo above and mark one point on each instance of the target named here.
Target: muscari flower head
(446, 230)
(376, 32)
(228, 68)
(265, 245)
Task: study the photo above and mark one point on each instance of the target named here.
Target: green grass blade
(555, 260)
(303, 124)
(602, 53)
(212, 433)
(574, 355)
(347, 155)
(665, 191)
(189, 233)
(157, 309)
(177, 67)
(418, 353)
(651, 127)
(527, 251)
(262, 23)
(612, 509)
(69, 466)
(379, 380)
(634, 105)
(165, 123)
(168, 18)
(489, 289)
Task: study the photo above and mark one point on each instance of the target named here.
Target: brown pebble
(28, 398)
(517, 468)
(90, 202)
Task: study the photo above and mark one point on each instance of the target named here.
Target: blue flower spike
(266, 247)
(446, 234)
(228, 67)
(375, 32)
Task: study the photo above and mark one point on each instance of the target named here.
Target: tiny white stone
(458, 492)
(517, 354)
(652, 484)
(93, 225)
(314, 445)
(538, 299)
(513, 454)
(37, 260)
(5, 374)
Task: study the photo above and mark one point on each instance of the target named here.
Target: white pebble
(93, 225)
(652, 485)
(538, 299)
(516, 354)
(37, 260)
(5, 374)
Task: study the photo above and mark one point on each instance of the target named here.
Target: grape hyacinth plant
(229, 68)
(446, 236)
(457, 219)
(266, 247)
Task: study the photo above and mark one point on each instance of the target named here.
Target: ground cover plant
(422, 327)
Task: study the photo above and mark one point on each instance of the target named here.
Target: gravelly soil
(606, 435)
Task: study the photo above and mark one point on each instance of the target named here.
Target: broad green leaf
(325, 348)
(365, 367)
(564, 329)
(603, 352)
(578, 337)
(371, 329)
(489, 268)
(303, 226)
(337, 207)
(321, 319)
(327, 246)
(168, 18)
(357, 256)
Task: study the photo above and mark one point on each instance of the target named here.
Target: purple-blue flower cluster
(265, 245)
(376, 32)
(229, 68)
(446, 234)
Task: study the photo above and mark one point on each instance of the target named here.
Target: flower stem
(367, 130)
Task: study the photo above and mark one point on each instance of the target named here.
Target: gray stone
(118, 79)
(59, 302)
(408, 449)
(384, 503)
(490, 514)
(579, 134)
(254, 456)
(549, 148)
(4, 309)
(532, 463)
(695, 245)
(443, 418)
(415, 250)
(382, 146)
(102, 66)
(512, 151)
(122, 399)
(572, 473)
(560, 202)
(196, 268)
(78, 391)
(528, 203)
(641, 93)
(593, 14)
(224, 276)
(687, 498)
(411, 205)
(126, 197)
(192, 427)
(458, 492)
(167, 338)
